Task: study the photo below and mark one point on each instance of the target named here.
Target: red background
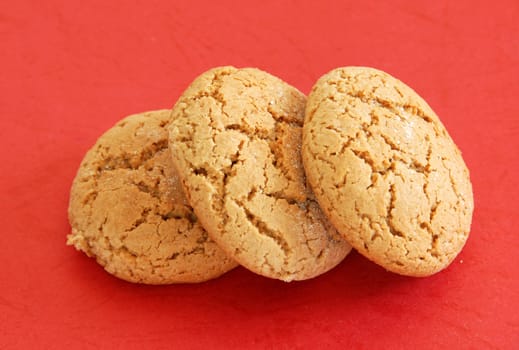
(70, 70)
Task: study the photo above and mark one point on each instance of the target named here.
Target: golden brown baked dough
(385, 171)
(236, 137)
(127, 209)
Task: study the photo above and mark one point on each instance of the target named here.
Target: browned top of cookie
(236, 136)
(385, 171)
(127, 209)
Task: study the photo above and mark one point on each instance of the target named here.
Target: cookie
(128, 211)
(385, 171)
(236, 138)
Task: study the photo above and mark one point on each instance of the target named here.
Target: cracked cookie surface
(127, 209)
(236, 138)
(385, 171)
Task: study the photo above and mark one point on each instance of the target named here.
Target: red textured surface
(70, 70)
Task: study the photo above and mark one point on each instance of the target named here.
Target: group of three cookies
(246, 170)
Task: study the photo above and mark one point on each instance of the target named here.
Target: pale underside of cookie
(236, 135)
(385, 171)
(127, 209)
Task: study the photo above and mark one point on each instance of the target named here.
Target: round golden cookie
(127, 209)
(236, 138)
(385, 171)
